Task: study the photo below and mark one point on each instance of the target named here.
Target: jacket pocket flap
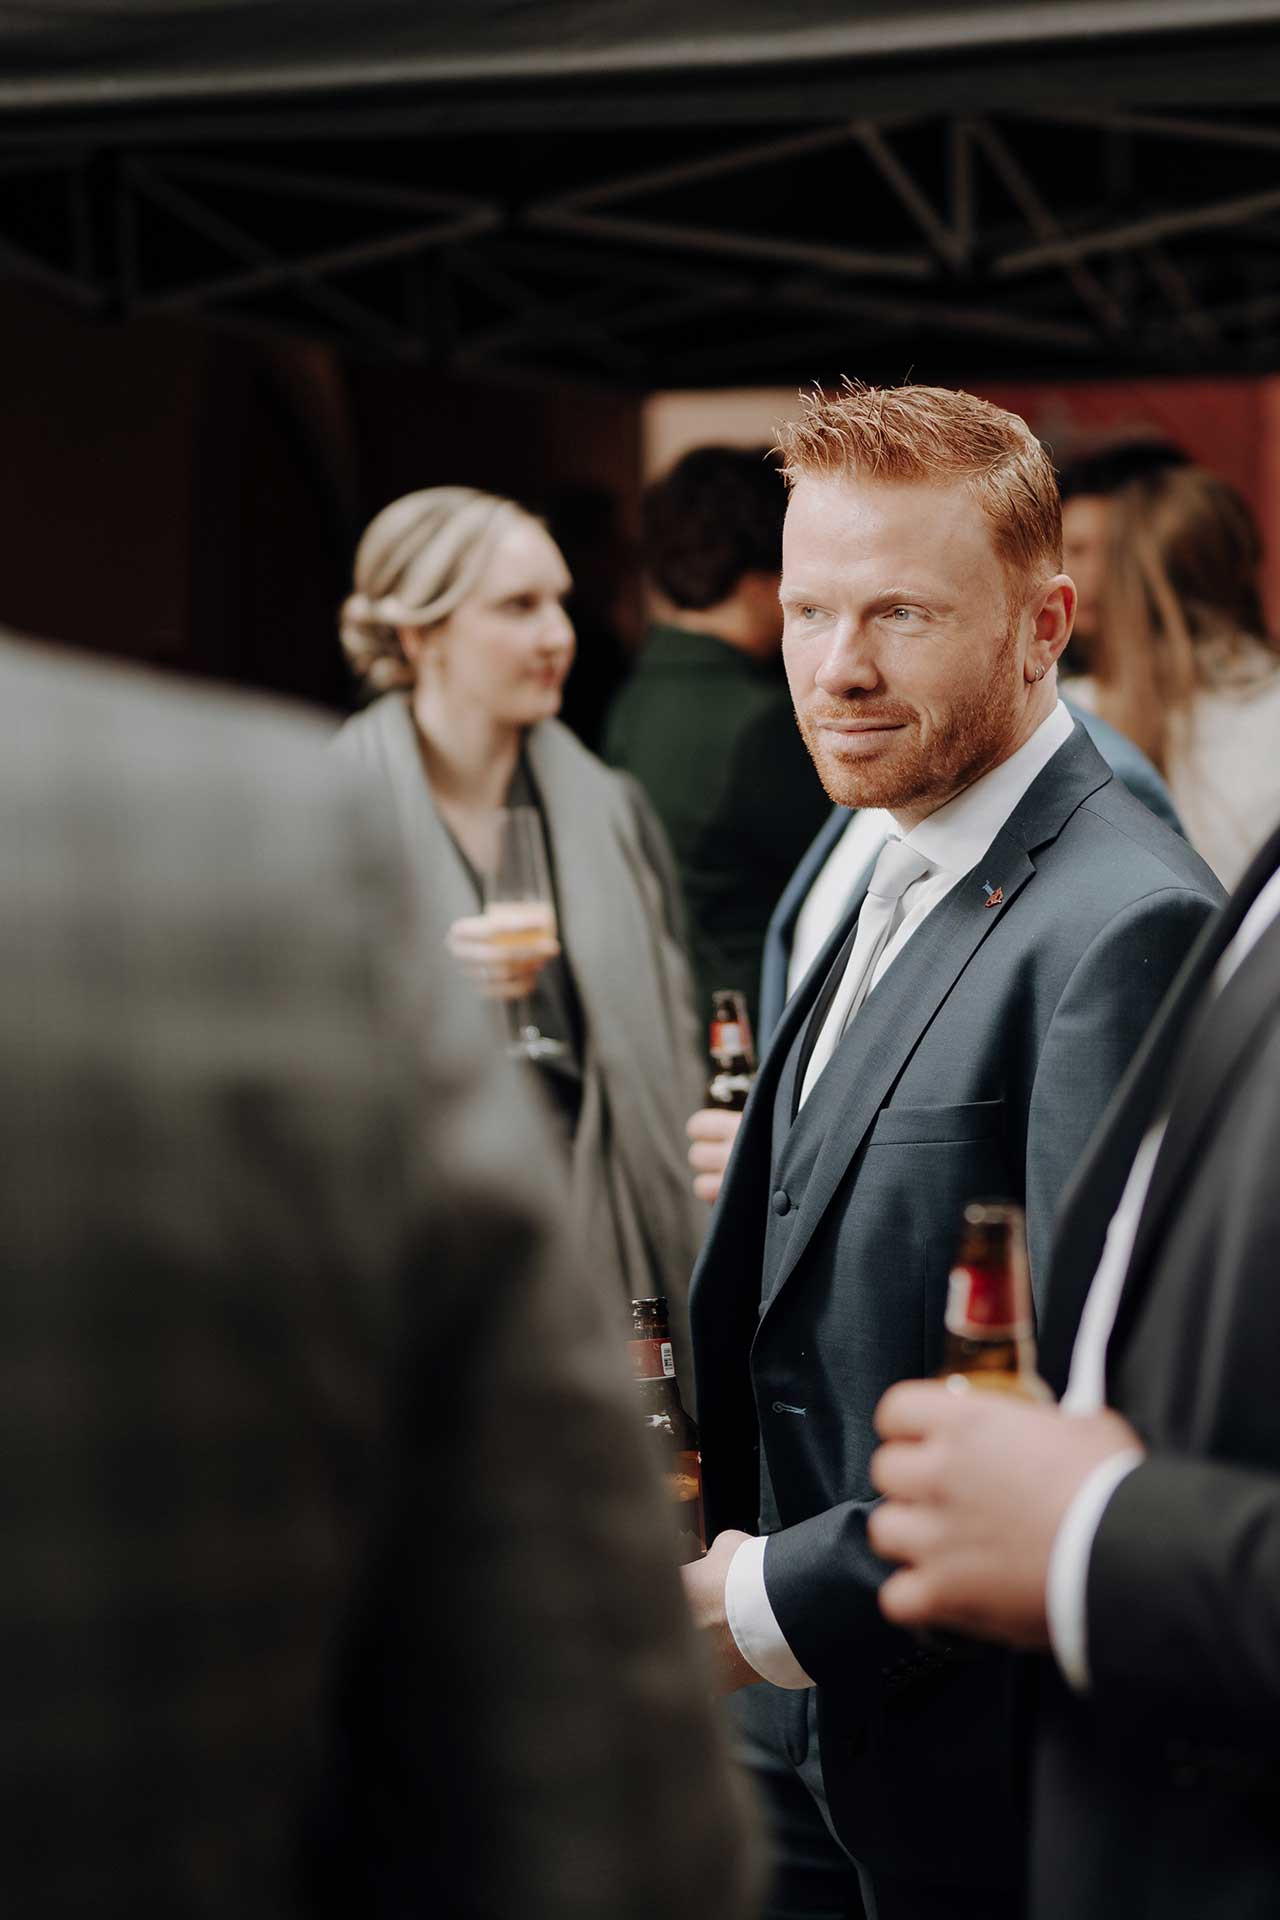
(909, 1126)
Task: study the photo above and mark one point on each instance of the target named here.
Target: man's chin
(859, 787)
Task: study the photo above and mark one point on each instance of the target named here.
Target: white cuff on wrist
(753, 1623)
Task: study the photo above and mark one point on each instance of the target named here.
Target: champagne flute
(519, 908)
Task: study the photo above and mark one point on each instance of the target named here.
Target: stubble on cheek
(963, 740)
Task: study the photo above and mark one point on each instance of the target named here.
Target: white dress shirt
(898, 872)
(1086, 1383)
(953, 840)
(827, 900)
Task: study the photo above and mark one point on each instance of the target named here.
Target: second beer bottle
(733, 1054)
(670, 1432)
(989, 1339)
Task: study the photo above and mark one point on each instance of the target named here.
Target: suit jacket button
(781, 1201)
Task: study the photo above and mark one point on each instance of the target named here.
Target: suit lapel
(724, 1293)
(796, 891)
(858, 1078)
(1095, 1188)
(1219, 1040)
(826, 974)
(864, 1067)
(802, 1001)
(1094, 1192)
(742, 1201)
(776, 964)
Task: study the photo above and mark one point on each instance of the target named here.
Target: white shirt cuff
(754, 1624)
(1068, 1574)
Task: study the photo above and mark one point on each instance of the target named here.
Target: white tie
(897, 868)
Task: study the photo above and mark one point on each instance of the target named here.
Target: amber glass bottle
(670, 1432)
(733, 1053)
(989, 1339)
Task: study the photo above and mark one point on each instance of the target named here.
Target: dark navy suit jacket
(980, 1065)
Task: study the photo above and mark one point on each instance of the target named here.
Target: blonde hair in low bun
(417, 561)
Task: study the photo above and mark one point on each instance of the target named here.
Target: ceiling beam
(917, 203)
(1222, 133)
(1066, 249)
(1045, 224)
(264, 266)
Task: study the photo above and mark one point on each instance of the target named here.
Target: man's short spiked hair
(936, 436)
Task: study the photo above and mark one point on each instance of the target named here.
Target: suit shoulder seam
(1177, 884)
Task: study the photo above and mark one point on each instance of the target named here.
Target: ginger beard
(908, 770)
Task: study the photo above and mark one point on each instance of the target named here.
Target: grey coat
(633, 1212)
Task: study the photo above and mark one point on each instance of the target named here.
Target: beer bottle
(989, 1342)
(733, 1054)
(672, 1435)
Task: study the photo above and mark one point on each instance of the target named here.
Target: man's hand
(713, 1132)
(704, 1582)
(500, 969)
(976, 1486)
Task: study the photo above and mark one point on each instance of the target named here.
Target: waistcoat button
(781, 1201)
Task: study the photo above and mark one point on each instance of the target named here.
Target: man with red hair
(960, 1036)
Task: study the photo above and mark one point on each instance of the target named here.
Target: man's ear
(1054, 619)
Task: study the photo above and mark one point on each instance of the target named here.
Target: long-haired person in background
(457, 622)
(1182, 660)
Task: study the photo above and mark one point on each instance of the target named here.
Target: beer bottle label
(652, 1360)
(980, 1305)
(726, 1037)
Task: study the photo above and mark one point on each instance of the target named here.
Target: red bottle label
(652, 1360)
(726, 1037)
(981, 1300)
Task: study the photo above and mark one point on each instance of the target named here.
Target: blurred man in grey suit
(324, 1519)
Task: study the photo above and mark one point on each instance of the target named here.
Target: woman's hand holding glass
(503, 950)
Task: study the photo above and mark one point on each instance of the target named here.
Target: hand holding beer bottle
(733, 1052)
(714, 1128)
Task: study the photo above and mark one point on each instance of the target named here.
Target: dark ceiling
(593, 192)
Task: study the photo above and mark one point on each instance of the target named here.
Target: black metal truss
(1073, 240)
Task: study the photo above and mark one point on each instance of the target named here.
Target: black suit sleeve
(1183, 1596)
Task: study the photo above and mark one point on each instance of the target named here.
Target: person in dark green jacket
(706, 724)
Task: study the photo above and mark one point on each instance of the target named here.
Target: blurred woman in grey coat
(457, 624)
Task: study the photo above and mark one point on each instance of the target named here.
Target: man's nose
(848, 666)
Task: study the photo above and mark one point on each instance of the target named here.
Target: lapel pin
(995, 895)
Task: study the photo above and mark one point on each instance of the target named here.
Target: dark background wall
(193, 499)
(97, 467)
